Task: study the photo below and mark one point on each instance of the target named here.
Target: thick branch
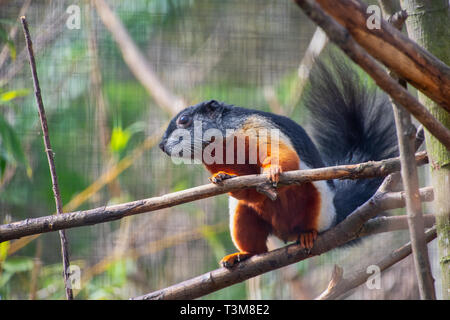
(50, 157)
(397, 52)
(104, 214)
(343, 39)
(351, 228)
(340, 285)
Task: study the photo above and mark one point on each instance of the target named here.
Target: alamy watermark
(374, 20)
(74, 19)
(374, 280)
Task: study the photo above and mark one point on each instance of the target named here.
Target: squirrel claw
(220, 176)
(274, 174)
(232, 259)
(306, 240)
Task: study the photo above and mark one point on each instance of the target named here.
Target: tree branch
(406, 135)
(343, 39)
(340, 285)
(50, 157)
(104, 214)
(351, 228)
(394, 49)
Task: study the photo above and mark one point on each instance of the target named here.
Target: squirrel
(349, 124)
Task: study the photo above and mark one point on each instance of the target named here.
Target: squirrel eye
(184, 120)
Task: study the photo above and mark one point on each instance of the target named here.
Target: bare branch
(406, 135)
(50, 157)
(343, 39)
(104, 214)
(344, 232)
(340, 285)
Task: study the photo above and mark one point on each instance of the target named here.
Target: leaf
(4, 278)
(119, 139)
(10, 95)
(4, 247)
(18, 264)
(9, 43)
(10, 145)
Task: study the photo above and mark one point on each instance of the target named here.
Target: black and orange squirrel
(349, 124)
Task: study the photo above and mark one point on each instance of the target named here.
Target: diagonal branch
(104, 214)
(354, 226)
(340, 285)
(50, 157)
(344, 40)
(394, 49)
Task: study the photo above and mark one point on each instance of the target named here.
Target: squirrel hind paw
(219, 177)
(232, 259)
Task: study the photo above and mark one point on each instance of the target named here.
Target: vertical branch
(406, 141)
(50, 158)
(429, 26)
(406, 135)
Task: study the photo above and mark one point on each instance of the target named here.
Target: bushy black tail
(350, 123)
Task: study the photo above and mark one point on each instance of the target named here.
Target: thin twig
(50, 223)
(340, 285)
(406, 135)
(50, 158)
(344, 40)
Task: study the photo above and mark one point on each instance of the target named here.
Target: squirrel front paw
(274, 172)
(220, 176)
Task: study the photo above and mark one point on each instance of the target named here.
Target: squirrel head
(185, 134)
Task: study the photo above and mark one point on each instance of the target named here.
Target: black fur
(350, 124)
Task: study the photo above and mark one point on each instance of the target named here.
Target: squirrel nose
(161, 145)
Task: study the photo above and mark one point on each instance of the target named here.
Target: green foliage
(4, 39)
(11, 151)
(10, 95)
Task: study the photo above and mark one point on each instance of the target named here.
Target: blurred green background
(103, 126)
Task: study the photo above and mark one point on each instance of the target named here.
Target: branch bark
(429, 25)
(340, 285)
(406, 135)
(395, 50)
(354, 226)
(50, 158)
(104, 214)
(343, 39)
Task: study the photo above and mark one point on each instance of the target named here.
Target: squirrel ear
(213, 106)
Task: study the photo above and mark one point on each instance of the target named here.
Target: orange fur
(294, 213)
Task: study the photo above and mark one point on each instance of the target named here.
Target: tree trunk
(429, 25)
